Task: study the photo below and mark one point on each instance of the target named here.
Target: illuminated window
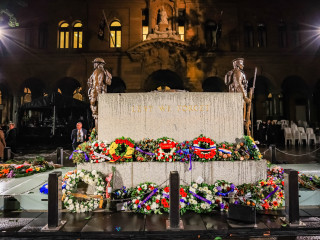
(115, 34)
(145, 23)
(77, 35)
(63, 37)
(77, 94)
(181, 23)
(26, 98)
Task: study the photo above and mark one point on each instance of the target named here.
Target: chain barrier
(297, 155)
(265, 151)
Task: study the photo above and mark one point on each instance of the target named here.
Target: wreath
(253, 148)
(144, 150)
(225, 152)
(121, 149)
(202, 198)
(99, 152)
(184, 199)
(204, 148)
(146, 198)
(223, 190)
(70, 197)
(166, 150)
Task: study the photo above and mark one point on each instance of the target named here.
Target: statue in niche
(163, 16)
(97, 84)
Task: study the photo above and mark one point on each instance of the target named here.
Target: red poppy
(139, 188)
(166, 189)
(181, 190)
(137, 201)
(265, 205)
(282, 183)
(166, 205)
(280, 194)
(262, 184)
(163, 201)
(151, 187)
(148, 207)
(275, 203)
(96, 145)
(157, 201)
(184, 194)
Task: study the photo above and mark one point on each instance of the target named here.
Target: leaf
(217, 238)
(284, 225)
(87, 218)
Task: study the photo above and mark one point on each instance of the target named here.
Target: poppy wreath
(146, 198)
(99, 152)
(121, 149)
(204, 149)
(166, 150)
(184, 199)
(144, 151)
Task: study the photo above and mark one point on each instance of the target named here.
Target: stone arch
(295, 92)
(213, 84)
(67, 85)
(117, 85)
(36, 86)
(163, 78)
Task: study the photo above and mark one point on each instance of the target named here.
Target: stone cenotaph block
(179, 115)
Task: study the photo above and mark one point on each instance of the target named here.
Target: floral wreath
(146, 198)
(70, 200)
(121, 149)
(253, 148)
(166, 150)
(224, 189)
(225, 151)
(144, 150)
(184, 199)
(203, 144)
(202, 198)
(99, 152)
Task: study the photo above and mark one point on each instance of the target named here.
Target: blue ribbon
(144, 152)
(44, 189)
(79, 151)
(273, 192)
(205, 149)
(148, 197)
(181, 200)
(201, 198)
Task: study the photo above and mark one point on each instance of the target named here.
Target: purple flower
(219, 188)
(232, 186)
(221, 205)
(236, 202)
(310, 178)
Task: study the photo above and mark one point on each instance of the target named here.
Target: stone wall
(179, 115)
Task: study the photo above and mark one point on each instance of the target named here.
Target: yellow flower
(37, 169)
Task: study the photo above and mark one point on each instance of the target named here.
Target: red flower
(163, 201)
(97, 161)
(280, 194)
(184, 194)
(166, 189)
(166, 205)
(262, 184)
(151, 188)
(223, 145)
(265, 205)
(137, 201)
(139, 188)
(181, 190)
(157, 201)
(282, 183)
(148, 207)
(104, 149)
(102, 145)
(96, 145)
(275, 203)
(187, 142)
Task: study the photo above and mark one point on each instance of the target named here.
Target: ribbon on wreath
(201, 198)
(270, 194)
(186, 152)
(204, 149)
(181, 200)
(148, 197)
(79, 151)
(101, 155)
(144, 152)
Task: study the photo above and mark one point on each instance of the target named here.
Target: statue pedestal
(163, 27)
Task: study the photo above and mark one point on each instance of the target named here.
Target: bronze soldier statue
(97, 84)
(237, 82)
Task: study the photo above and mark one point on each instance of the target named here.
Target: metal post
(60, 156)
(174, 222)
(291, 190)
(273, 153)
(54, 202)
(7, 154)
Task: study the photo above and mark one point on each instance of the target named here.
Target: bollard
(291, 190)
(174, 222)
(54, 202)
(273, 153)
(60, 156)
(7, 154)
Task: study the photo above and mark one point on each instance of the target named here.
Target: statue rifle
(248, 122)
(105, 19)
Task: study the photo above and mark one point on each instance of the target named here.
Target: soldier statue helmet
(238, 62)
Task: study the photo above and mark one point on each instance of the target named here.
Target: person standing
(11, 137)
(2, 143)
(78, 135)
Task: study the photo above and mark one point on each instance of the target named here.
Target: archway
(163, 78)
(68, 86)
(31, 89)
(263, 106)
(117, 85)
(213, 84)
(296, 104)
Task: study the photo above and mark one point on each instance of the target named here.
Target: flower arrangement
(99, 151)
(82, 153)
(166, 150)
(204, 149)
(121, 149)
(70, 200)
(184, 199)
(225, 152)
(224, 189)
(309, 181)
(253, 148)
(201, 198)
(145, 149)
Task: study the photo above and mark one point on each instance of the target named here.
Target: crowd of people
(269, 133)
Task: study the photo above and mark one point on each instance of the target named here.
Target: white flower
(94, 172)
(67, 187)
(194, 185)
(69, 201)
(81, 174)
(158, 197)
(205, 189)
(192, 189)
(182, 204)
(154, 206)
(209, 197)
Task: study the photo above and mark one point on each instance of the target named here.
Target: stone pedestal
(133, 173)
